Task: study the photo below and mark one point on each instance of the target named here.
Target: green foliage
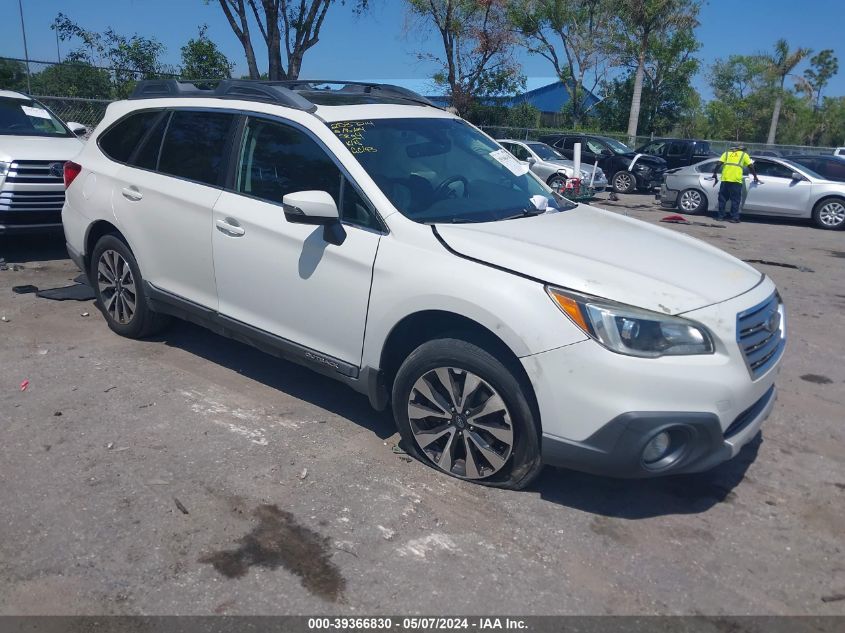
(823, 67)
(12, 75)
(201, 59)
(523, 115)
(73, 79)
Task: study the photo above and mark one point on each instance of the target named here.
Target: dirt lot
(194, 475)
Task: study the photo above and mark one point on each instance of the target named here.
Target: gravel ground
(190, 474)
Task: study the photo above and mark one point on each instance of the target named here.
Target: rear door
(283, 278)
(163, 200)
(777, 193)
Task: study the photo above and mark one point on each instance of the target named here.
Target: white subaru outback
(364, 233)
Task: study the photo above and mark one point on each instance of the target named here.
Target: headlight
(4, 168)
(633, 331)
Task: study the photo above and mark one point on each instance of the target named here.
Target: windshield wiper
(525, 213)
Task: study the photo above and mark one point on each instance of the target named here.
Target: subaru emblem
(773, 323)
(57, 170)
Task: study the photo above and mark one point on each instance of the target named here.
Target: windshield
(618, 146)
(545, 152)
(444, 170)
(26, 117)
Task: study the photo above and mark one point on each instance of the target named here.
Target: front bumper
(598, 409)
(616, 449)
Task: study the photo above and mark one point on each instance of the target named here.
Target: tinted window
(701, 148)
(706, 167)
(278, 159)
(147, 156)
(773, 170)
(120, 141)
(677, 148)
(195, 145)
(593, 146)
(567, 143)
(519, 151)
(655, 149)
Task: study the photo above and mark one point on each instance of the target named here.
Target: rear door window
(147, 155)
(772, 170)
(195, 145)
(119, 141)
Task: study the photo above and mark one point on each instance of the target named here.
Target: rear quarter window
(120, 140)
(195, 145)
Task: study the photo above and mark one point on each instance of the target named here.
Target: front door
(284, 278)
(777, 193)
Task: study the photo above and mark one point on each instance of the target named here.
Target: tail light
(72, 170)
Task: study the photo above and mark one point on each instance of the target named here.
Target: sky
(382, 44)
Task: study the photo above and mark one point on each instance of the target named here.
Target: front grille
(760, 334)
(34, 172)
(31, 201)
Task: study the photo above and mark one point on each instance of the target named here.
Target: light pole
(25, 50)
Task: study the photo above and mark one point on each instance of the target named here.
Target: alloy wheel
(460, 422)
(558, 183)
(623, 181)
(690, 201)
(117, 287)
(832, 214)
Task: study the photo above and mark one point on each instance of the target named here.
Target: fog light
(656, 448)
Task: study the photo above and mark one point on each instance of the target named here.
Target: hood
(38, 147)
(607, 255)
(646, 159)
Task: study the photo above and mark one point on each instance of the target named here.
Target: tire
(125, 317)
(557, 179)
(829, 214)
(692, 202)
(494, 441)
(624, 181)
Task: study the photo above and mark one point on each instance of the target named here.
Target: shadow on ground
(287, 377)
(42, 247)
(646, 498)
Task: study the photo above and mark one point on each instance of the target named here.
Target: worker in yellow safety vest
(731, 165)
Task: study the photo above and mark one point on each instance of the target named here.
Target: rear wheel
(624, 182)
(462, 411)
(557, 182)
(830, 214)
(119, 288)
(692, 201)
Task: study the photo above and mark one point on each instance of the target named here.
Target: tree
(12, 74)
(201, 59)
(128, 58)
(742, 92)
(641, 23)
(574, 36)
(297, 24)
(73, 79)
(823, 67)
(478, 44)
(780, 66)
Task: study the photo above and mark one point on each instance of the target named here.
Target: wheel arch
(821, 200)
(95, 231)
(419, 327)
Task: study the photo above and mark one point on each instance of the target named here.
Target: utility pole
(58, 51)
(25, 50)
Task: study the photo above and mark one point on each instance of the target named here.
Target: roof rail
(288, 93)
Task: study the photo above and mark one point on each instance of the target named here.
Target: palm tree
(780, 66)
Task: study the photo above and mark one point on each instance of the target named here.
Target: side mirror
(77, 128)
(315, 208)
(531, 160)
(797, 176)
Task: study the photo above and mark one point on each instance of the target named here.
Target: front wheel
(830, 214)
(461, 410)
(624, 182)
(557, 182)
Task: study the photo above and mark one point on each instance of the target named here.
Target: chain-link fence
(88, 112)
(717, 146)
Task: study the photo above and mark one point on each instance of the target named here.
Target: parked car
(34, 144)
(382, 241)
(625, 170)
(786, 189)
(829, 167)
(678, 152)
(550, 165)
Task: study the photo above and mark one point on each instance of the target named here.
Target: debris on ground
(110, 445)
(398, 450)
(25, 289)
(76, 292)
(387, 533)
(5, 319)
(679, 219)
(107, 389)
(57, 414)
(304, 473)
(24, 384)
(85, 314)
(836, 597)
(179, 505)
(766, 262)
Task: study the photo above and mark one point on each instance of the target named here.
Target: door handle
(229, 227)
(132, 193)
